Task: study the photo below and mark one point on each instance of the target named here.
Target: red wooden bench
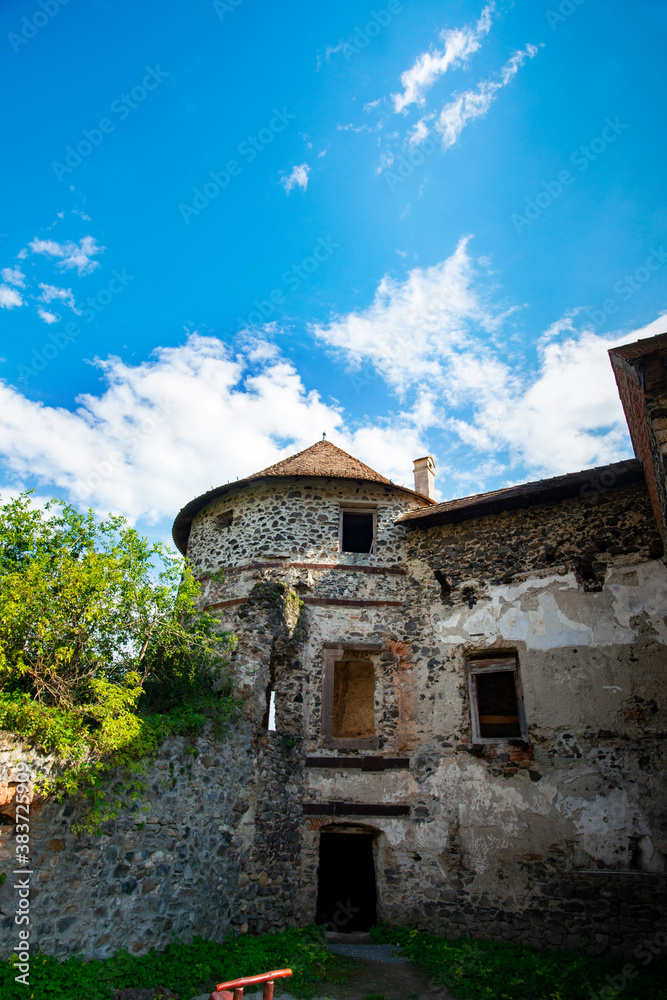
(233, 990)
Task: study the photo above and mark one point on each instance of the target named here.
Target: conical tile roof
(322, 459)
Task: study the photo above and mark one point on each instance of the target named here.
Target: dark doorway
(346, 882)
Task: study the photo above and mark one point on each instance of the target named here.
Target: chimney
(425, 476)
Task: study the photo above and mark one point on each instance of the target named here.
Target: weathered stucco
(558, 840)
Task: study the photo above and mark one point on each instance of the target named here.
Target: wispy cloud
(298, 178)
(551, 415)
(13, 276)
(47, 316)
(475, 103)
(431, 310)
(458, 45)
(72, 254)
(9, 297)
(51, 293)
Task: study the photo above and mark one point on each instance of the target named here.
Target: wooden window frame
(493, 665)
(332, 653)
(358, 508)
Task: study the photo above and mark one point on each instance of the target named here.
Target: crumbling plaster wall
(522, 841)
(503, 839)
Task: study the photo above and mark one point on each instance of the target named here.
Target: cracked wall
(557, 841)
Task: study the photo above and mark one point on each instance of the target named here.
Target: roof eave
(526, 495)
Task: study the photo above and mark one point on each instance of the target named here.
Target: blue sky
(230, 226)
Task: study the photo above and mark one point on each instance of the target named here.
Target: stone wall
(558, 841)
(210, 850)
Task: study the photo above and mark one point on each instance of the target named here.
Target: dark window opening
(346, 882)
(224, 520)
(353, 715)
(357, 531)
(497, 705)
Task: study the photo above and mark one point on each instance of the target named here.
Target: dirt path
(378, 980)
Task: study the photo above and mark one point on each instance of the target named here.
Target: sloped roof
(323, 459)
(585, 483)
(642, 348)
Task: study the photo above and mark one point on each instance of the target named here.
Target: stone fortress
(453, 714)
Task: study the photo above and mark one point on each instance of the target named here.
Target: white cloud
(298, 178)
(419, 132)
(9, 297)
(9, 493)
(569, 415)
(475, 103)
(51, 293)
(386, 160)
(190, 418)
(13, 276)
(459, 45)
(152, 439)
(47, 316)
(436, 330)
(76, 255)
(413, 326)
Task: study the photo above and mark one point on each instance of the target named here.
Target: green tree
(102, 651)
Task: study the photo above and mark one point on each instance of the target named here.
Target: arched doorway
(346, 889)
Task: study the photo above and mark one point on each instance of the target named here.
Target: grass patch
(491, 970)
(186, 969)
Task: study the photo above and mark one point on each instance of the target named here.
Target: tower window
(357, 531)
(495, 700)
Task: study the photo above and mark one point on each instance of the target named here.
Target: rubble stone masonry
(558, 841)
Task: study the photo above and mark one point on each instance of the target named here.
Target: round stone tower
(319, 530)
(305, 564)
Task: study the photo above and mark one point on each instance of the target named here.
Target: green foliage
(102, 653)
(493, 970)
(185, 969)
